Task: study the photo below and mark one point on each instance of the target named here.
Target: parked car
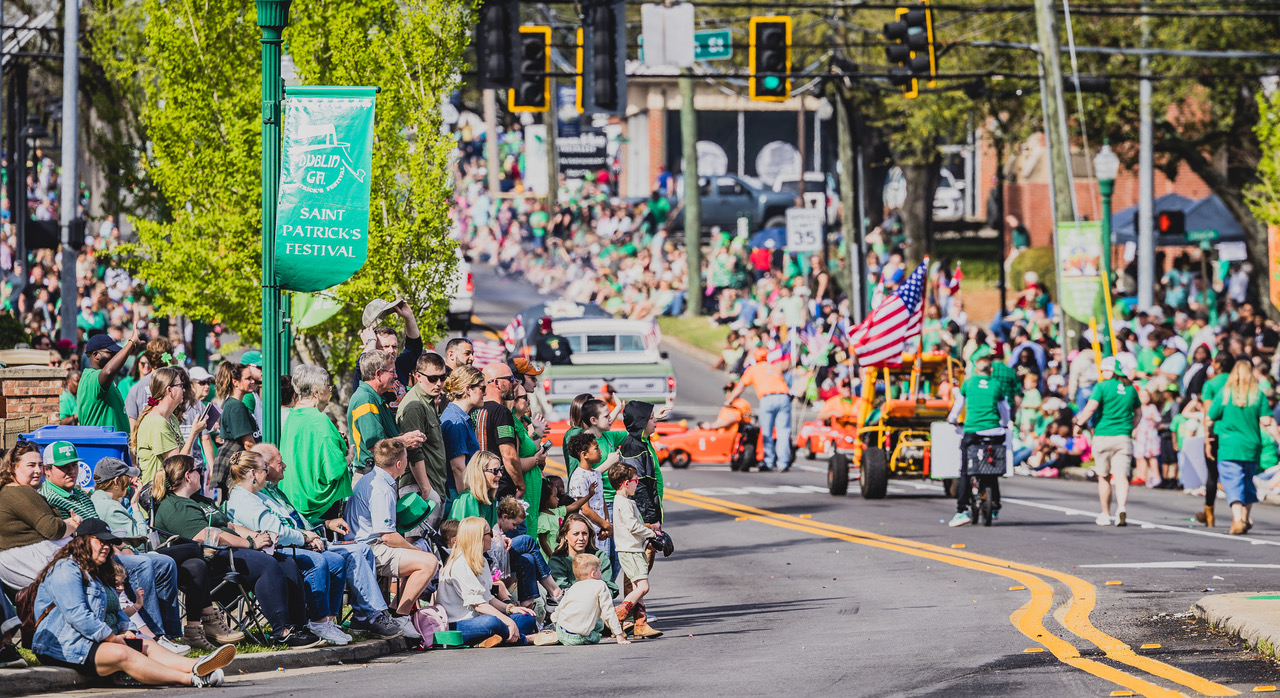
(726, 197)
(820, 191)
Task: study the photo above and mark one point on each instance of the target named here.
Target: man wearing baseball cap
(775, 409)
(1115, 399)
(98, 403)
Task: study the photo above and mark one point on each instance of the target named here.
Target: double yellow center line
(1029, 619)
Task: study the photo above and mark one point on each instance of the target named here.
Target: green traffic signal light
(772, 82)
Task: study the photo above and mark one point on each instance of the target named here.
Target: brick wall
(30, 392)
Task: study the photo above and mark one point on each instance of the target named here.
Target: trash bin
(92, 443)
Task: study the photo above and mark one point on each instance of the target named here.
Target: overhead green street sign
(712, 45)
(322, 215)
(1202, 236)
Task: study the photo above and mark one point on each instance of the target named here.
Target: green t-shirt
(66, 405)
(538, 221)
(1239, 436)
(1149, 360)
(549, 523)
(1212, 387)
(156, 437)
(1269, 458)
(981, 394)
(98, 406)
(125, 385)
(1117, 404)
(526, 447)
(467, 505)
(570, 463)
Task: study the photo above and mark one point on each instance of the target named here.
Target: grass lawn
(696, 331)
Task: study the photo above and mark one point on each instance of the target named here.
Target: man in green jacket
(369, 419)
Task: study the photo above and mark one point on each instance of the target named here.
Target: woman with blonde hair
(1239, 414)
(479, 489)
(158, 433)
(464, 388)
(465, 592)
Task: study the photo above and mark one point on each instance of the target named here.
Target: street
(778, 588)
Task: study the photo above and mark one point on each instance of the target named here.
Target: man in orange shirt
(738, 411)
(841, 408)
(775, 409)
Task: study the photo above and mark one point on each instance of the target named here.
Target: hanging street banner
(322, 216)
(1080, 270)
(1273, 263)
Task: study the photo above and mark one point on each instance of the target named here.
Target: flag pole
(928, 292)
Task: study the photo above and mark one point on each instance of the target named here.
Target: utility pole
(692, 201)
(491, 141)
(552, 120)
(1146, 184)
(1061, 191)
(70, 177)
(273, 17)
(849, 225)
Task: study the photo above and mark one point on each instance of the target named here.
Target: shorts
(634, 565)
(1112, 454)
(388, 558)
(20, 566)
(87, 667)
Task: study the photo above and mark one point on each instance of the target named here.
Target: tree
(193, 70)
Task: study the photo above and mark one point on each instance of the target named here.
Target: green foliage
(1264, 197)
(1037, 259)
(12, 332)
(194, 71)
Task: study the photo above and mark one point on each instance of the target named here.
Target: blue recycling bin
(92, 444)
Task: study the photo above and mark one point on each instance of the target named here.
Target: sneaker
(1154, 482)
(995, 514)
(10, 658)
(1120, 518)
(215, 678)
(298, 639)
(960, 519)
(380, 626)
(214, 661)
(1022, 470)
(405, 623)
(1137, 481)
(177, 648)
(329, 633)
(1103, 520)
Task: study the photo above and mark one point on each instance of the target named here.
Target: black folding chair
(231, 595)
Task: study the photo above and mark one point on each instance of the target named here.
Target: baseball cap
(60, 453)
(101, 342)
(98, 529)
(1109, 365)
(252, 358)
(762, 354)
(110, 468)
(198, 374)
(524, 367)
(375, 310)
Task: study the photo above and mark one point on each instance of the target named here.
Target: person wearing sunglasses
(465, 390)
(417, 412)
(369, 418)
(98, 403)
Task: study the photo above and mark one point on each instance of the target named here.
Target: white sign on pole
(668, 35)
(804, 230)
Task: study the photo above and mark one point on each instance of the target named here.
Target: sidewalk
(18, 682)
(1253, 617)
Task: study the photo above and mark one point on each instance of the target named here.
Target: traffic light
(532, 91)
(606, 57)
(910, 51)
(1171, 223)
(496, 41)
(770, 58)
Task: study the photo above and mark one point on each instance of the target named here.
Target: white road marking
(1183, 565)
(742, 491)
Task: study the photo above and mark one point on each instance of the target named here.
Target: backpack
(428, 621)
(24, 603)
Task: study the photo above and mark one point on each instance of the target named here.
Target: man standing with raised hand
(98, 403)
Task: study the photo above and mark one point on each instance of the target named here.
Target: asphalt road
(778, 588)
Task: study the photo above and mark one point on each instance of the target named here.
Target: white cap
(1109, 365)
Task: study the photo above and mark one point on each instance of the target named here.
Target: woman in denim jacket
(79, 623)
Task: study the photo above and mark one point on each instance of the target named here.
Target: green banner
(322, 217)
(1080, 270)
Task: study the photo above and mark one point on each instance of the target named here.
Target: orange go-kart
(710, 446)
(825, 437)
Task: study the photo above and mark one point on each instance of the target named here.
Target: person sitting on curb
(371, 512)
(464, 593)
(586, 609)
(79, 623)
(526, 559)
(576, 538)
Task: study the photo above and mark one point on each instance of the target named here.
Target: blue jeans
(324, 575)
(608, 545)
(775, 413)
(1236, 478)
(527, 563)
(9, 621)
(362, 579)
(1020, 455)
(676, 306)
(474, 630)
(157, 576)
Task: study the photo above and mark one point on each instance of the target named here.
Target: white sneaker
(1103, 520)
(215, 678)
(328, 632)
(406, 627)
(338, 632)
(175, 647)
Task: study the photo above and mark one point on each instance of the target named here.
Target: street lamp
(1105, 167)
(28, 137)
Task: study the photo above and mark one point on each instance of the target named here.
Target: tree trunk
(917, 210)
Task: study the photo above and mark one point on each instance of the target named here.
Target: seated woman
(277, 585)
(465, 584)
(30, 532)
(79, 623)
(576, 538)
(257, 503)
(115, 485)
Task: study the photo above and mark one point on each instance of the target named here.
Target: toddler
(586, 607)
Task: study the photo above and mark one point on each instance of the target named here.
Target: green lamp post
(273, 17)
(1105, 167)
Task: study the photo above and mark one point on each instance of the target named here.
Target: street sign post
(804, 229)
(1202, 236)
(712, 45)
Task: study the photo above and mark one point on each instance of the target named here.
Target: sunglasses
(473, 386)
(431, 379)
(493, 471)
(488, 534)
(208, 382)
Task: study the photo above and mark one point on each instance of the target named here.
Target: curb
(1255, 621)
(17, 682)
(690, 350)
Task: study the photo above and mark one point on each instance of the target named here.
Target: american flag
(513, 334)
(487, 353)
(879, 339)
